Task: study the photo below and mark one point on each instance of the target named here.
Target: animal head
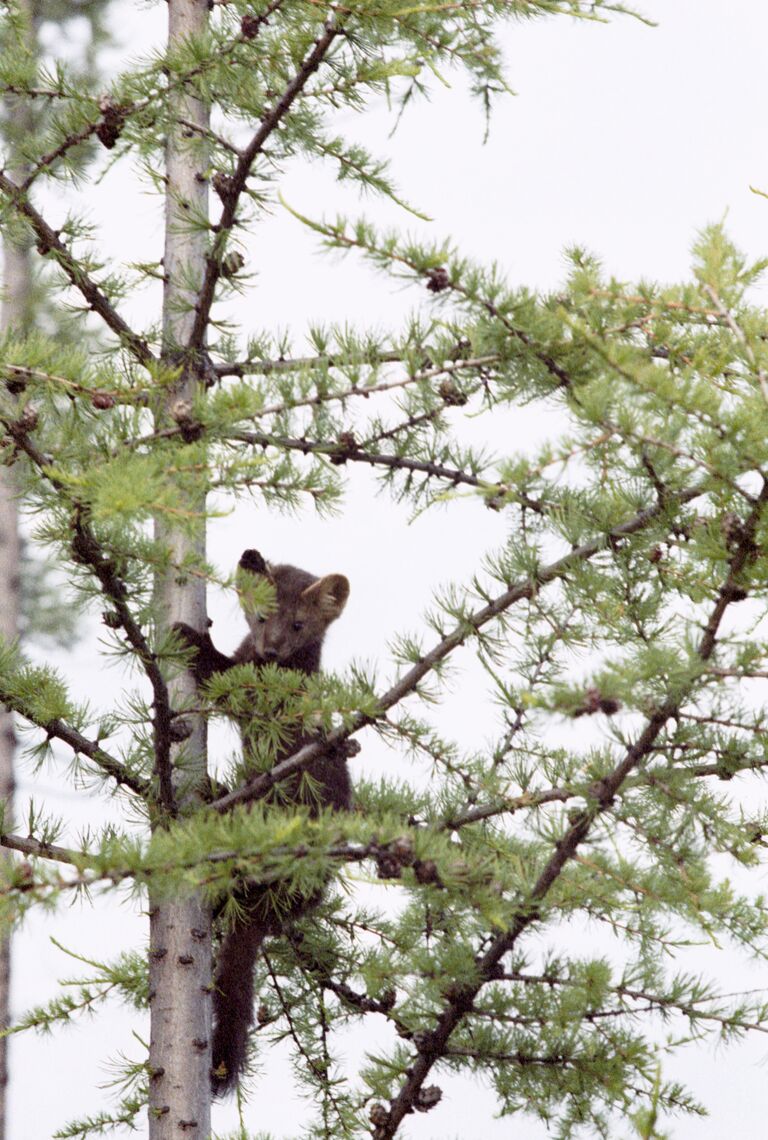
(304, 606)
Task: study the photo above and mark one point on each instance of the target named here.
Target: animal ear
(253, 579)
(251, 560)
(328, 595)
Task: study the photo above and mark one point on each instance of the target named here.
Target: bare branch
(28, 846)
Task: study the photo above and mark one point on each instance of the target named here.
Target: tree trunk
(180, 930)
(17, 291)
(9, 614)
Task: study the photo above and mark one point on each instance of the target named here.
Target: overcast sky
(621, 138)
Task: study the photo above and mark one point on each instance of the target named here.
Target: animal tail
(233, 1003)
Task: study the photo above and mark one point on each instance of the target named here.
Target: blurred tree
(30, 605)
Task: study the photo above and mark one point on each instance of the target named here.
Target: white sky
(622, 138)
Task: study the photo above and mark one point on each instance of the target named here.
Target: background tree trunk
(180, 933)
(16, 305)
(9, 615)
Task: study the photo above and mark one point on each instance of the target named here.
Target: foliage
(628, 593)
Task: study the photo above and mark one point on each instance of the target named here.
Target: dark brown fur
(291, 637)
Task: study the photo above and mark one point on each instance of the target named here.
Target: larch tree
(625, 592)
(28, 606)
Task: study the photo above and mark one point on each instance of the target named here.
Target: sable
(292, 638)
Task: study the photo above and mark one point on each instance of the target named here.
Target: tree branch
(602, 796)
(66, 144)
(409, 682)
(237, 181)
(48, 241)
(59, 730)
(89, 551)
(345, 451)
(268, 367)
(28, 846)
(440, 281)
(244, 368)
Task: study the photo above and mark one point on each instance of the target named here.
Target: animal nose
(270, 654)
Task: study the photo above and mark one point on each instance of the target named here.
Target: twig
(236, 182)
(243, 368)
(557, 371)
(89, 551)
(342, 452)
(50, 242)
(29, 846)
(509, 806)
(59, 730)
(319, 1072)
(208, 133)
(67, 144)
(89, 877)
(118, 395)
(740, 335)
(447, 368)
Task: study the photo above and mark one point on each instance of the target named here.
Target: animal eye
(297, 625)
(260, 619)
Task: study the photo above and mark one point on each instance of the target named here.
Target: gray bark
(180, 930)
(16, 305)
(9, 615)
